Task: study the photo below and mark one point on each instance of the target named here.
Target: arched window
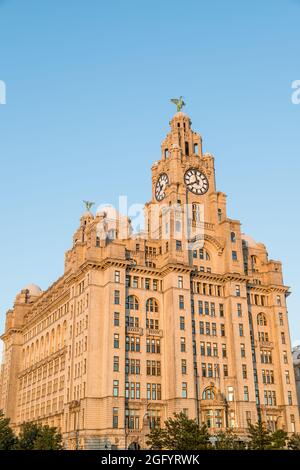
(31, 354)
(132, 303)
(37, 350)
(253, 262)
(152, 305)
(208, 394)
(58, 342)
(42, 348)
(233, 237)
(64, 331)
(203, 254)
(261, 319)
(52, 339)
(196, 213)
(47, 345)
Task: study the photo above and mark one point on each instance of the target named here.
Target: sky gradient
(88, 88)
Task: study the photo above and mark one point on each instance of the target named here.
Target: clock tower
(183, 188)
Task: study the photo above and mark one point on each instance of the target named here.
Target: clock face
(195, 181)
(160, 186)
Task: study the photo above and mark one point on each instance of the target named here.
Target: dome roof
(33, 289)
(87, 215)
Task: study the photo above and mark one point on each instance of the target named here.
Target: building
(189, 315)
(296, 362)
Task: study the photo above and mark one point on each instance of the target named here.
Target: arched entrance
(134, 446)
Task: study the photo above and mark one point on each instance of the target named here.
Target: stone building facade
(189, 315)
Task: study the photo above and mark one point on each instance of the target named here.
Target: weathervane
(179, 102)
(88, 205)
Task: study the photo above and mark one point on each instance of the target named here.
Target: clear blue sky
(88, 89)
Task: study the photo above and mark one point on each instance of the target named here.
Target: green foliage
(27, 436)
(179, 433)
(279, 439)
(259, 436)
(7, 436)
(294, 442)
(156, 438)
(37, 437)
(48, 439)
(228, 440)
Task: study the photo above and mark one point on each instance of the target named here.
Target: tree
(259, 436)
(37, 437)
(228, 440)
(27, 436)
(180, 433)
(294, 442)
(7, 436)
(156, 439)
(48, 438)
(279, 439)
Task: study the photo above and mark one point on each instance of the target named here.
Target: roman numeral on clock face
(195, 181)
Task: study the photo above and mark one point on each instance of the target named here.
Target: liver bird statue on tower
(88, 205)
(178, 102)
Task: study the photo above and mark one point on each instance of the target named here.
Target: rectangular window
(116, 319)
(287, 377)
(116, 388)
(183, 366)
(244, 371)
(200, 307)
(241, 329)
(116, 341)
(222, 329)
(237, 290)
(225, 370)
(115, 417)
(239, 310)
(181, 302)
(184, 390)
(180, 282)
(243, 352)
(246, 394)
(117, 297)
(221, 310)
(116, 363)
(182, 324)
(178, 245)
(182, 344)
(234, 256)
(117, 276)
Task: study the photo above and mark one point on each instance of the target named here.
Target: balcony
(154, 332)
(134, 330)
(264, 344)
(201, 224)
